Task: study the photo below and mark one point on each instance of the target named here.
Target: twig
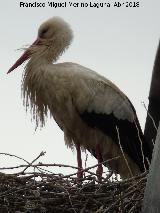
(141, 146)
(154, 124)
(41, 154)
(123, 152)
(49, 192)
(40, 165)
(11, 155)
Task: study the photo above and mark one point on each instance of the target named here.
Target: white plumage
(87, 107)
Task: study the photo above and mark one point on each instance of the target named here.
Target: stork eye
(43, 33)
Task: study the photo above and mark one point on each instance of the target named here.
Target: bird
(93, 113)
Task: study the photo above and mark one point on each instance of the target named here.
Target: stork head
(54, 36)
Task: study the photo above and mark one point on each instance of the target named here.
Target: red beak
(24, 57)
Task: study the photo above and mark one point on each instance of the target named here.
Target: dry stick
(84, 207)
(68, 197)
(34, 177)
(135, 184)
(150, 116)
(30, 175)
(153, 142)
(41, 154)
(134, 201)
(85, 162)
(73, 201)
(85, 165)
(91, 167)
(29, 164)
(2, 153)
(148, 162)
(141, 146)
(47, 171)
(123, 152)
(41, 170)
(126, 195)
(133, 207)
(18, 190)
(11, 191)
(93, 174)
(39, 165)
(135, 177)
(62, 165)
(109, 175)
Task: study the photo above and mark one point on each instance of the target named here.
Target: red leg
(99, 170)
(79, 161)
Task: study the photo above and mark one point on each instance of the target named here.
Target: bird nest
(40, 191)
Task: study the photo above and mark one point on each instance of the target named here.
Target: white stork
(93, 113)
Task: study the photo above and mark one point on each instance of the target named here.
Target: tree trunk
(151, 202)
(150, 131)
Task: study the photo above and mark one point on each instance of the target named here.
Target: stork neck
(36, 66)
(37, 62)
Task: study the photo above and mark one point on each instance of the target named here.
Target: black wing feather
(128, 132)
